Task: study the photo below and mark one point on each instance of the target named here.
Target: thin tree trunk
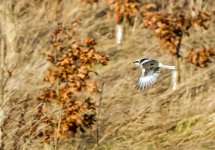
(176, 74)
(119, 33)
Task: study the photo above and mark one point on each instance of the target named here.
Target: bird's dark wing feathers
(147, 78)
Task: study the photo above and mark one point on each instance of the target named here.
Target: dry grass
(153, 119)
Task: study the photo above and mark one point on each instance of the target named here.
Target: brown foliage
(169, 28)
(72, 61)
(200, 57)
(202, 20)
(123, 8)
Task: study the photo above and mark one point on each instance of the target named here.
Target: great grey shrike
(150, 72)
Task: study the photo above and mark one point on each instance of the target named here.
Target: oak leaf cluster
(70, 78)
(202, 19)
(121, 9)
(200, 57)
(170, 28)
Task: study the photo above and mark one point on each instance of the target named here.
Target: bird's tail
(167, 66)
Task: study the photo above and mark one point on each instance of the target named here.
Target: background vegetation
(153, 119)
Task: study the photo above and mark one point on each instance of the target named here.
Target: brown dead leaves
(200, 57)
(171, 27)
(72, 61)
(123, 8)
(202, 20)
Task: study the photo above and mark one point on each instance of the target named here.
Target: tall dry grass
(157, 118)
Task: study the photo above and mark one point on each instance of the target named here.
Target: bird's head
(138, 62)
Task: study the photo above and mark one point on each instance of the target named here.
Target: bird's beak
(136, 62)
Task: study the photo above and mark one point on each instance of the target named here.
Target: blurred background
(176, 112)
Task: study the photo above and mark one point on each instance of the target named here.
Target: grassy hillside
(157, 118)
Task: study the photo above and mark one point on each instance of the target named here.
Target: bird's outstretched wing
(147, 78)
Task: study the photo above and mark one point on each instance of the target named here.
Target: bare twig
(21, 123)
(4, 124)
(99, 109)
(3, 51)
(4, 101)
(61, 110)
(58, 127)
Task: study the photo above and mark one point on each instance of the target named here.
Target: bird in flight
(150, 72)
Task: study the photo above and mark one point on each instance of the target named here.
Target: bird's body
(150, 72)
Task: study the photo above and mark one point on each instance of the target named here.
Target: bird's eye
(151, 64)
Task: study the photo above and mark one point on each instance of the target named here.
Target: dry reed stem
(3, 54)
(58, 127)
(61, 109)
(21, 123)
(98, 114)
